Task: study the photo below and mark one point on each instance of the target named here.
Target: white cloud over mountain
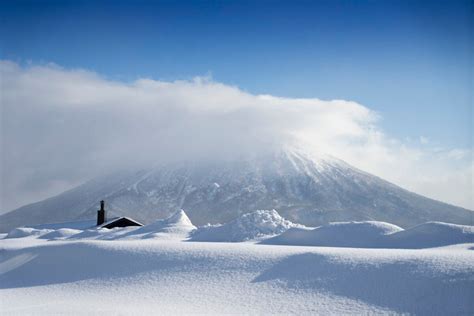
(62, 126)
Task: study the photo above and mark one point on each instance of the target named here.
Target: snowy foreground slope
(160, 268)
(156, 276)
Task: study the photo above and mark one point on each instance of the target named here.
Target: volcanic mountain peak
(304, 187)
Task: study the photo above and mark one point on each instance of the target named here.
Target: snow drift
(154, 268)
(256, 225)
(21, 232)
(351, 234)
(176, 226)
(268, 227)
(61, 233)
(431, 234)
(96, 277)
(376, 235)
(95, 233)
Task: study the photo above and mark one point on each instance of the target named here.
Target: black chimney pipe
(101, 214)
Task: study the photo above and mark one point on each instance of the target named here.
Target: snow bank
(61, 233)
(90, 234)
(431, 234)
(255, 225)
(27, 232)
(269, 227)
(143, 277)
(376, 235)
(368, 234)
(177, 226)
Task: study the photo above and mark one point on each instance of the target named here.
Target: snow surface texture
(308, 189)
(156, 276)
(255, 225)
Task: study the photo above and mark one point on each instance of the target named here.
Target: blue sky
(411, 61)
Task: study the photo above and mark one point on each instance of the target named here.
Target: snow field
(174, 277)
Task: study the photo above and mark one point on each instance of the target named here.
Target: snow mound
(94, 233)
(179, 219)
(21, 232)
(177, 226)
(377, 235)
(255, 225)
(61, 233)
(369, 234)
(431, 234)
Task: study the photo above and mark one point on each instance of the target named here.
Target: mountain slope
(302, 188)
(67, 206)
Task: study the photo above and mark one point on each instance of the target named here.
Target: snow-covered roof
(120, 218)
(85, 224)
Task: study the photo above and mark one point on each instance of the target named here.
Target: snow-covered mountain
(303, 188)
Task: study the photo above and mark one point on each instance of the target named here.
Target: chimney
(101, 214)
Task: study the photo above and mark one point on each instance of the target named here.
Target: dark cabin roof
(121, 222)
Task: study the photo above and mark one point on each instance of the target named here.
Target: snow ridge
(268, 227)
(376, 235)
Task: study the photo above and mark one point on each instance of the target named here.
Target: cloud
(424, 140)
(63, 126)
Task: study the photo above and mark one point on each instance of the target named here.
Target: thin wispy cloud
(61, 127)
